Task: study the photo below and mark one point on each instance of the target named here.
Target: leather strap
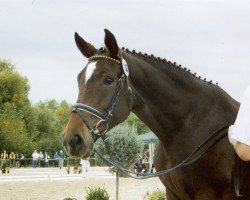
(238, 177)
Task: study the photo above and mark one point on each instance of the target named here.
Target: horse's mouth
(78, 151)
(78, 154)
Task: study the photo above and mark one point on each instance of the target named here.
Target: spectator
(22, 161)
(35, 156)
(56, 159)
(141, 168)
(61, 159)
(46, 159)
(12, 158)
(17, 160)
(85, 167)
(40, 159)
(4, 155)
(239, 133)
(153, 168)
(144, 157)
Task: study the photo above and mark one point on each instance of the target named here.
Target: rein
(207, 144)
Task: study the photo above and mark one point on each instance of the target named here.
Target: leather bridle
(103, 116)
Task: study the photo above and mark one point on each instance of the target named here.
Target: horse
(178, 106)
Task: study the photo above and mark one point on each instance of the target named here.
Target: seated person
(239, 133)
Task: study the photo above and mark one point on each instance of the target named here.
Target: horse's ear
(111, 44)
(86, 48)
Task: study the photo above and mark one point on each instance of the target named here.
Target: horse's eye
(109, 80)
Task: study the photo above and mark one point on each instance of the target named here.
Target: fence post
(117, 184)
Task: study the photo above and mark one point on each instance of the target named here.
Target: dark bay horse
(179, 107)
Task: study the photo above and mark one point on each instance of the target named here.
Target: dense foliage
(97, 194)
(139, 126)
(50, 119)
(14, 106)
(25, 127)
(156, 195)
(124, 146)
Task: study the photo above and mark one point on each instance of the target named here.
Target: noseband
(103, 116)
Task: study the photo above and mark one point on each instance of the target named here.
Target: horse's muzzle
(76, 146)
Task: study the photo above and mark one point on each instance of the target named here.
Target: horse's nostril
(74, 145)
(77, 139)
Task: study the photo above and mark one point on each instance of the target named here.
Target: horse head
(103, 99)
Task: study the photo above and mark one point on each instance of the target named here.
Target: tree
(25, 127)
(124, 145)
(14, 106)
(13, 87)
(62, 113)
(134, 121)
(51, 118)
(6, 66)
(13, 131)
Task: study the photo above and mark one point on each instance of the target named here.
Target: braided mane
(163, 60)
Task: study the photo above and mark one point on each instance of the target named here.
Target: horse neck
(166, 98)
